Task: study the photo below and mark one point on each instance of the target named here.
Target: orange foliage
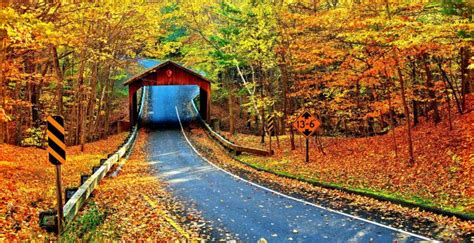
(425, 223)
(27, 184)
(443, 172)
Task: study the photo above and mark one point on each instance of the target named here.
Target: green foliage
(85, 225)
(462, 8)
(34, 137)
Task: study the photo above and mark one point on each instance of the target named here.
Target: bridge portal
(169, 73)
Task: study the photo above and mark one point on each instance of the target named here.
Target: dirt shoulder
(409, 219)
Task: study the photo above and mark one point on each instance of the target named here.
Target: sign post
(307, 149)
(57, 157)
(270, 127)
(306, 124)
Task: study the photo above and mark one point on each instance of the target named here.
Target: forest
(399, 72)
(362, 67)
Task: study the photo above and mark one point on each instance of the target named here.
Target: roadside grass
(276, 168)
(85, 226)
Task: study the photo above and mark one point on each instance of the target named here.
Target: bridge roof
(164, 65)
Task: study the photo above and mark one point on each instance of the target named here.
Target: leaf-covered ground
(414, 220)
(27, 183)
(134, 205)
(443, 174)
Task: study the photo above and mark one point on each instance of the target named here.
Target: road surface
(234, 206)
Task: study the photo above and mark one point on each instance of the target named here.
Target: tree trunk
(415, 102)
(90, 117)
(228, 80)
(392, 127)
(18, 114)
(36, 97)
(31, 91)
(231, 114)
(284, 80)
(346, 130)
(35, 103)
(465, 86)
(411, 159)
(3, 112)
(108, 108)
(431, 91)
(292, 138)
(100, 117)
(250, 92)
(450, 120)
(80, 99)
(264, 124)
(415, 113)
(450, 84)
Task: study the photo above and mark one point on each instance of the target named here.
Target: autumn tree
(65, 58)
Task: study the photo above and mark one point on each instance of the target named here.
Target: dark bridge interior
(170, 74)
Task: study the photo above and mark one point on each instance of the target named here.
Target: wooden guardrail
(48, 220)
(237, 149)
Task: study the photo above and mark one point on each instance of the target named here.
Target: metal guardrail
(74, 204)
(237, 149)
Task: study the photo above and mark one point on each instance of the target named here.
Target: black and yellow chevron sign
(270, 123)
(56, 145)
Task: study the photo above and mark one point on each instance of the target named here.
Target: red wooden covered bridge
(169, 73)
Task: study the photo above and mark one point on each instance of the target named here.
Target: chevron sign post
(270, 123)
(270, 127)
(306, 124)
(57, 157)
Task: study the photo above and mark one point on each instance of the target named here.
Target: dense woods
(67, 59)
(363, 67)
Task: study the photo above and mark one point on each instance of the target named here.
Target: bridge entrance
(169, 73)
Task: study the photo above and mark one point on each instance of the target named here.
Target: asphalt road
(236, 208)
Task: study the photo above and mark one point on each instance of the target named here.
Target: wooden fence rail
(237, 149)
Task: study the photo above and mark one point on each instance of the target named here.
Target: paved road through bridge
(232, 205)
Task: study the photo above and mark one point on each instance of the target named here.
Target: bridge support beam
(133, 109)
(205, 105)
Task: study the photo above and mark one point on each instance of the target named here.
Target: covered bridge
(169, 73)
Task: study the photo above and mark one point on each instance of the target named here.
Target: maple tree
(360, 73)
(363, 68)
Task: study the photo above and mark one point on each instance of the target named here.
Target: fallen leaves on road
(137, 206)
(410, 219)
